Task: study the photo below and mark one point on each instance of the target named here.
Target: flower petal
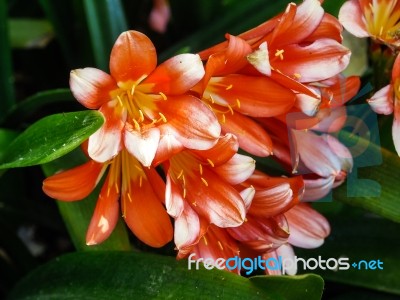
(105, 143)
(105, 215)
(142, 144)
(167, 146)
(174, 201)
(351, 17)
(329, 27)
(396, 126)
(145, 215)
(308, 228)
(260, 59)
(255, 96)
(191, 122)
(176, 75)
(251, 136)
(74, 184)
(317, 61)
(237, 169)
(132, 57)
(317, 188)
(187, 228)
(160, 15)
(382, 101)
(91, 87)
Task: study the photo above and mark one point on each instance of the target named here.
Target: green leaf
(6, 72)
(359, 235)
(129, 275)
(106, 21)
(50, 138)
(77, 214)
(373, 188)
(35, 103)
(30, 33)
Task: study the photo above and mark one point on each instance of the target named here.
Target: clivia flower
(378, 19)
(140, 191)
(387, 101)
(145, 106)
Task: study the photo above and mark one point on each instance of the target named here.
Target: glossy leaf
(50, 138)
(129, 275)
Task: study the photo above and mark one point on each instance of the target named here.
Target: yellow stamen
(231, 109)
(120, 100)
(201, 169)
(212, 100)
(129, 197)
(220, 245)
(137, 126)
(133, 89)
(116, 187)
(205, 240)
(184, 193)
(141, 117)
(163, 96)
(223, 119)
(140, 180)
(229, 87)
(297, 75)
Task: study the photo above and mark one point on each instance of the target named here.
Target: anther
(280, 53)
(238, 103)
(180, 174)
(297, 75)
(141, 117)
(212, 99)
(163, 96)
(229, 87)
(205, 240)
(133, 89)
(129, 197)
(223, 119)
(231, 109)
(220, 245)
(204, 181)
(201, 169)
(140, 180)
(210, 162)
(120, 100)
(163, 117)
(137, 126)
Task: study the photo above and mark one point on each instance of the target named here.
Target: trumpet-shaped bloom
(200, 189)
(378, 19)
(140, 191)
(387, 101)
(140, 101)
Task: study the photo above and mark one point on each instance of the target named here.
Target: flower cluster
(169, 144)
(379, 20)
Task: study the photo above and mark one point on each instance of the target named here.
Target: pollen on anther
(184, 193)
(204, 181)
(163, 96)
(238, 103)
(163, 117)
(280, 53)
(201, 169)
(205, 240)
(141, 117)
(210, 162)
(129, 197)
(229, 87)
(230, 109)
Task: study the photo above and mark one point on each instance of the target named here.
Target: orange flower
(200, 191)
(387, 101)
(141, 191)
(378, 19)
(142, 104)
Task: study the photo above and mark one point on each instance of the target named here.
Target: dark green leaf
(373, 188)
(50, 138)
(106, 21)
(36, 103)
(6, 72)
(129, 275)
(30, 33)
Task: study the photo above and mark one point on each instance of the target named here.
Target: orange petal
(74, 184)
(106, 142)
(396, 126)
(91, 87)
(132, 57)
(176, 75)
(216, 200)
(308, 228)
(317, 61)
(145, 215)
(142, 144)
(382, 101)
(328, 28)
(251, 136)
(351, 17)
(254, 96)
(105, 215)
(167, 146)
(237, 169)
(193, 124)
